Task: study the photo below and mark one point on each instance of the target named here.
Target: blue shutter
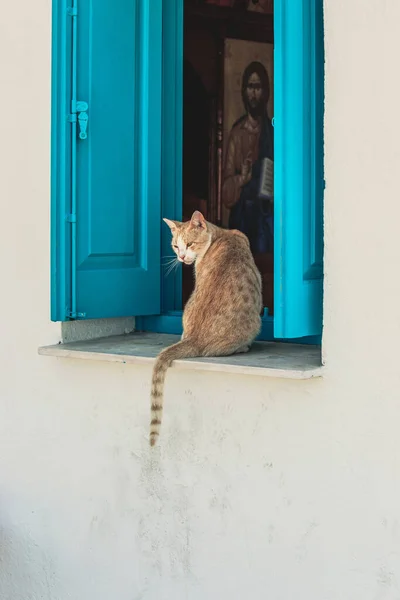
(110, 196)
(298, 138)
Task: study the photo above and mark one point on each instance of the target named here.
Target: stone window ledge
(266, 359)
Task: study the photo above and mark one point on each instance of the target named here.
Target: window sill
(266, 359)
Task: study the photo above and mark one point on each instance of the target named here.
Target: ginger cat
(222, 316)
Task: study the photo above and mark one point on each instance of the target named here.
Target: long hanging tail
(183, 349)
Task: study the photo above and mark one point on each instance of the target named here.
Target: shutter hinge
(71, 218)
(72, 11)
(76, 315)
(78, 113)
(83, 123)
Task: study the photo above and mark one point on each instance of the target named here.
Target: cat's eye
(189, 244)
(174, 246)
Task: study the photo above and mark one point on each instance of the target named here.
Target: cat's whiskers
(169, 262)
(171, 267)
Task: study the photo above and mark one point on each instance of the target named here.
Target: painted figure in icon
(247, 188)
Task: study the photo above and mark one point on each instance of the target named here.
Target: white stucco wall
(263, 489)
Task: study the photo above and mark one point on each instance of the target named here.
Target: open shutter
(114, 159)
(298, 138)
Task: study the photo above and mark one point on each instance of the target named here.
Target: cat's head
(190, 240)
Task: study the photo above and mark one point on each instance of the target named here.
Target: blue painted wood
(60, 162)
(172, 112)
(298, 138)
(166, 323)
(118, 165)
(73, 12)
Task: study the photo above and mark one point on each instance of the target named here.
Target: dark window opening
(228, 149)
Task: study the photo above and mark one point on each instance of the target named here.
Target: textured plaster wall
(262, 489)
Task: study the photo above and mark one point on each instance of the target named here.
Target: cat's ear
(173, 225)
(197, 220)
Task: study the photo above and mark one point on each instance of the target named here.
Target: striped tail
(183, 349)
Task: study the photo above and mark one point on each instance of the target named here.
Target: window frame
(170, 319)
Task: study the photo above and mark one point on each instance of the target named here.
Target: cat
(222, 316)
